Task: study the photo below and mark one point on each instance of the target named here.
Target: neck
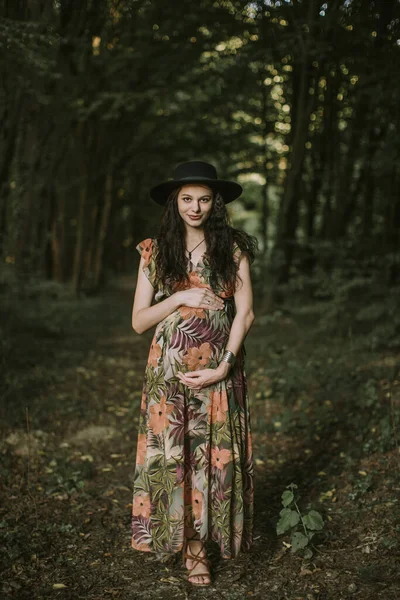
(194, 235)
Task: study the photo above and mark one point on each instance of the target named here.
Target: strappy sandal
(196, 559)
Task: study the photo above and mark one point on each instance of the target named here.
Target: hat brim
(229, 190)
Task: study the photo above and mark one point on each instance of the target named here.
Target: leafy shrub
(302, 527)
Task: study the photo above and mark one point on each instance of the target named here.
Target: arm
(241, 324)
(244, 317)
(145, 316)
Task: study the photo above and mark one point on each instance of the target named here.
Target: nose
(197, 208)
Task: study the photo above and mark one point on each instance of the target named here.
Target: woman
(193, 479)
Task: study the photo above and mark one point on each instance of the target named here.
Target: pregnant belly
(191, 327)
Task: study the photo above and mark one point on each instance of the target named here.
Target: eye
(205, 200)
(185, 199)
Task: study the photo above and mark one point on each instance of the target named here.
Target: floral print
(197, 501)
(155, 354)
(196, 358)
(194, 463)
(220, 457)
(188, 311)
(159, 415)
(218, 406)
(141, 505)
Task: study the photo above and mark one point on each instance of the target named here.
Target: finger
(188, 381)
(190, 373)
(212, 305)
(214, 302)
(211, 295)
(186, 384)
(195, 383)
(191, 380)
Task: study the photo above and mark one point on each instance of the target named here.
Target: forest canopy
(102, 99)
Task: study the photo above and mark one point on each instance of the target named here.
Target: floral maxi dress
(194, 462)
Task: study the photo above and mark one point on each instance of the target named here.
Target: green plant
(70, 483)
(302, 528)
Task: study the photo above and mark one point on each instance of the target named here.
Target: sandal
(196, 559)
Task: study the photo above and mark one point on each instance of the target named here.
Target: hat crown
(195, 168)
(197, 172)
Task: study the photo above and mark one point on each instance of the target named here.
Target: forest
(298, 101)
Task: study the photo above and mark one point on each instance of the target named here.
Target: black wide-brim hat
(196, 171)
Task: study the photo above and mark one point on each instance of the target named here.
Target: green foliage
(69, 483)
(383, 317)
(132, 88)
(361, 485)
(64, 528)
(301, 527)
(34, 318)
(378, 318)
(381, 417)
(355, 299)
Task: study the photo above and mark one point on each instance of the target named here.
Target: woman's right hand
(200, 298)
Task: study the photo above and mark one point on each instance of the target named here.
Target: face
(194, 204)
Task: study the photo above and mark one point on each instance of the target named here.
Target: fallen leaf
(170, 579)
(327, 495)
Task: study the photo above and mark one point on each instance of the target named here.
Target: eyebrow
(205, 196)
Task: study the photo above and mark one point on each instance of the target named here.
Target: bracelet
(229, 357)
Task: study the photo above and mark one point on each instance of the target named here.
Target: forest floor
(322, 418)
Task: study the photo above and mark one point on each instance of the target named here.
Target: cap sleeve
(238, 253)
(147, 250)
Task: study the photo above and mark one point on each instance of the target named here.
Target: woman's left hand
(197, 380)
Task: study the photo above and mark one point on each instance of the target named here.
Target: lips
(195, 217)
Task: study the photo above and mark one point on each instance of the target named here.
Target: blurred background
(298, 101)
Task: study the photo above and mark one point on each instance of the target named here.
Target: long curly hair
(171, 260)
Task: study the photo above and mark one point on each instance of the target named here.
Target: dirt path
(66, 492)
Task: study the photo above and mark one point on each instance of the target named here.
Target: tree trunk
(58, 238)
(303, 105)
(80, 237)
(104, 224)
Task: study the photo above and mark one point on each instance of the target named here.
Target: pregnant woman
(193, 478)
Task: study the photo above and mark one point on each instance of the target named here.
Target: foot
(199, 570)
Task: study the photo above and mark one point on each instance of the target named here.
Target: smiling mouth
(195, 216)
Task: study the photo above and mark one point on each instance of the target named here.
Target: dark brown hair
(219, 235)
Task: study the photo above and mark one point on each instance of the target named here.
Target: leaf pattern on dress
(176, 536)
(141, 530)
(194, 458)
(195, 331)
